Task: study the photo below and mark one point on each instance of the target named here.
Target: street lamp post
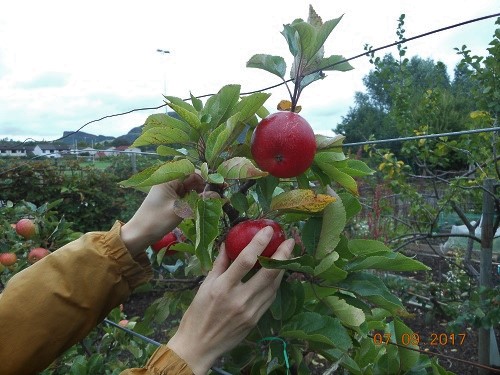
(164, 52)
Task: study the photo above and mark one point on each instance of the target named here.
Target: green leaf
(330, 156)
(197, 103)
(220, 105)
(323, 31)
(388, 362)
(208, 214)
(273, 64)
(348, 314)
(240, 168)
(310, 233)
(183, 247)
(285, 303)
(408, 357)
(323, 143)
(327, 270)
(240, 202)
(265, 190)
(167, 151)
(307, 40)
(180, 103)
(163, 129)
(334, 220)
(362, 247)
(373, 289)
(190, 117)
(164, 120)
(250, 105)
(388, 261)
(335, 355)
(334, 62)
(322, 160)
(221, 137)
(159, 136)
(292, 39)
(304, 263)
(215, 178)
(317, 328)
(357, 168)
(351, 204)
(165, 172)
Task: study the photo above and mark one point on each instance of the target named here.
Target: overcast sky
(65, 63)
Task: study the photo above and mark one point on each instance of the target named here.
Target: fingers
(265, 277)
(193, 182)
(245, 261)
(221, 264)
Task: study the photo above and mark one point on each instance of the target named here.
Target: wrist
(198, 364)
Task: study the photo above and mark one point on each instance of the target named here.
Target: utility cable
(282, 83)
(153, 342)
(425, 136)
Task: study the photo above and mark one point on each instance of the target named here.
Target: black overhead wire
(337, 63)
(405, 40)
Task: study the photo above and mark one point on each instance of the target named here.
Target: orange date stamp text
(415, 339)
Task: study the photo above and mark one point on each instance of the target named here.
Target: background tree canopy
(406, 96)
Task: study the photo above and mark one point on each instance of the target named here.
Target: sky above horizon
(63, 64)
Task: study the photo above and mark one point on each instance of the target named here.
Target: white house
(42, 149)
(50, 150)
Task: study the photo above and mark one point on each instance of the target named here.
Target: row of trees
(416, 97)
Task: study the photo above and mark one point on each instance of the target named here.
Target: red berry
(283, 144)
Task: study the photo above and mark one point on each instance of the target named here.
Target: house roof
(52, 146)
(22, 148)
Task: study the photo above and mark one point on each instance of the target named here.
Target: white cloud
(63, 64)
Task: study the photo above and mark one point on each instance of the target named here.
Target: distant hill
(70, 138)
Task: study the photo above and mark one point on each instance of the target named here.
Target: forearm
(54, 303)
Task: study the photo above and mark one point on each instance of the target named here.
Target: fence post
(485, 278)
(133, 159)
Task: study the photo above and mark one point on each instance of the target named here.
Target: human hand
(225, 309)
(156, 215)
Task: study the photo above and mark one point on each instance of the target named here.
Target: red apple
(166, 242)
(37, 253)
(123, 322)
(8, 259)
(242, 233)
(283, 144)
(26, 228)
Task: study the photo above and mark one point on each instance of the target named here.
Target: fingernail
(290, 243)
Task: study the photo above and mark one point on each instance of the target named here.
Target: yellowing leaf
(301, 200)
(286, 105)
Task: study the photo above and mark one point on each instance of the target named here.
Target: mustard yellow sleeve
(51, 305)
(163, 362)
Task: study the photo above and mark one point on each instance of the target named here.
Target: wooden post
(485, 277)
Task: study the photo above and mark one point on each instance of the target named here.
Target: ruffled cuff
(135, 270)
(165, 361)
